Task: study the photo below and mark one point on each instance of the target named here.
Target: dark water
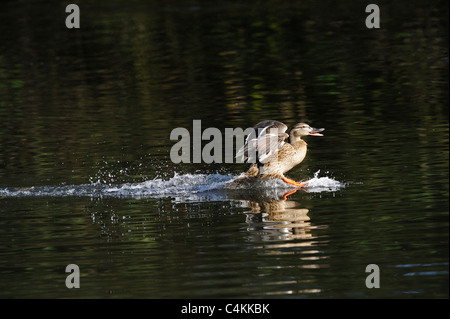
(86, 177)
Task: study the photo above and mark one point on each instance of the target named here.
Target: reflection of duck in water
(271, 155)
(271, 216)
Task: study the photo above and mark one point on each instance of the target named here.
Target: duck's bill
(316, 132)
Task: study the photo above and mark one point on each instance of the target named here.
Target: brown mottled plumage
(280, 156)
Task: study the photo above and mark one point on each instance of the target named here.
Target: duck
(270, 155)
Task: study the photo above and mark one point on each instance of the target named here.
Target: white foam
(181, 187)
(322, 184)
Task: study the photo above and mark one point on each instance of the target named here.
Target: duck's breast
(291, 156)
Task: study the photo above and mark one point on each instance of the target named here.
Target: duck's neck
(297, 142)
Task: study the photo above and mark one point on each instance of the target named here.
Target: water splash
(181, 187)
(323, 184)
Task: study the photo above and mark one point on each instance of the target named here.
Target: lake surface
(86, 176)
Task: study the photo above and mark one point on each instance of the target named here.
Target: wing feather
(266, 138)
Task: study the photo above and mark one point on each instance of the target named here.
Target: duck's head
(303, 129)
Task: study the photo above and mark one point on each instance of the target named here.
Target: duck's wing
(266, 138)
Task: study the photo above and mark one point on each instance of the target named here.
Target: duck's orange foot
(292, 182)
(285, 196)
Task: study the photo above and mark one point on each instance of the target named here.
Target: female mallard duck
(270, 156)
